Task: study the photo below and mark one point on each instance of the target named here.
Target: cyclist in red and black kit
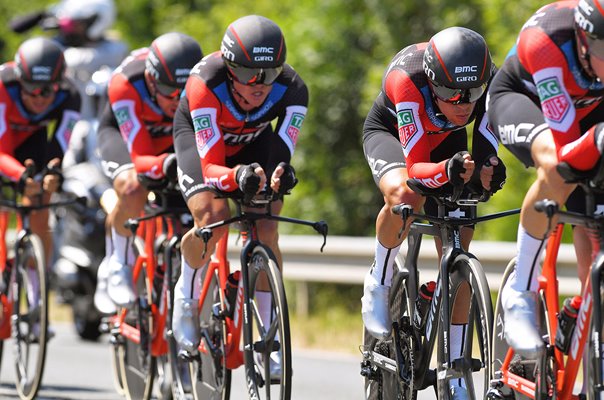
(224, 141)
(135, 139)
(33, 95)
(546, 107)
(417, 129)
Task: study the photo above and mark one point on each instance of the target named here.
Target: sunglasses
(39, 90)
(167, 91)
(458, 96)
(595, 47)
(253, 76)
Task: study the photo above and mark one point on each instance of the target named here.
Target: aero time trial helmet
(253, 49)
(589, 27)
(458, 65)
(40, 65)
(170, 59)
(97, 16)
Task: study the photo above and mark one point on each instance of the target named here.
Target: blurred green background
(341, 49)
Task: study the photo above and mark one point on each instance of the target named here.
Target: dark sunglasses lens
(167, 90)
(595, 47)
(39, 90)
(254, 76)
(458, 96)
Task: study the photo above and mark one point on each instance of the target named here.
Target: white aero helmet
(100, 14)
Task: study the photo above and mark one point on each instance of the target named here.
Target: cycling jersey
(209, 120)
(542, 86)
(145, 129)
(24, 135)
(407, 110)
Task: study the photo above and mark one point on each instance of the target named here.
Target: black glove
(454, 167)
(248, 180)
(30, 172)
(499, 175)
(153, 184)
(169, 167)
(288, 178)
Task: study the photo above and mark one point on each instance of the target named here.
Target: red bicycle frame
(565, 373)
(220, 263)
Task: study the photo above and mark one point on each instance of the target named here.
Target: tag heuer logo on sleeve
(122, 115)
(203, 130)
(294, 126)
(406, 126)
(554, 101)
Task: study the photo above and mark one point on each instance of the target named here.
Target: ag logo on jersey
(406, 126)
(554, 102)
(295, 124)
(122, 115)
(203, 130)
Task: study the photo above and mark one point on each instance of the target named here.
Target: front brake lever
(205, 234)
(322, 228)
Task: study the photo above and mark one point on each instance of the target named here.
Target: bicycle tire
(212, 380)
(387, 386)
(116, 369)
(138, 365)
(592, 392)
(524, 368)
(30, 309)
(259, 342)
(465, 269)
(179, 368)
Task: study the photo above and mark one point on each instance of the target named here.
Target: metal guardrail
(347, 259)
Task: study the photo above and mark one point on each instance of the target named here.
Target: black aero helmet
(253, 48)
(458, 65)
(589, 26)
(170, 59)
(39, 61)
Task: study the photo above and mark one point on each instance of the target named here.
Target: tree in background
(341, 49)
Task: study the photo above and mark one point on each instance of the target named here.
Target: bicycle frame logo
(433, 308)
(581, 324)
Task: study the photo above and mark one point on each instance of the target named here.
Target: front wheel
(267, 347)
(468, 285)
(29, 296)
(379, 383)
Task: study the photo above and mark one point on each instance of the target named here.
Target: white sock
(188, 285)
(528, 267)
(382, 271)
(119, 246)
(457, 337)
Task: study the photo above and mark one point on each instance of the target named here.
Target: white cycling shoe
(185, 325)
(376, 315)
(520, 325)
(459, 393)
(102, 301)
(119, 284)
(275, 364)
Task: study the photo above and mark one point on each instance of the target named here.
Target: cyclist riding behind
(430, 93)
(135, 139)
(546, 105)
(34, 94)
(225, 142)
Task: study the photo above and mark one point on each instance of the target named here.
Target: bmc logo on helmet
(466, 68)
(580, 20)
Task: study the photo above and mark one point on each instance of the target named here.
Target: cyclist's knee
(402, 194)
(131, 194)
(205, 208)
(268, 232)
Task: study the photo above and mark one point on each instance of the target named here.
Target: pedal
(368, 371)
(217, 312)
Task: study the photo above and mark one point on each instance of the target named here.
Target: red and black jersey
(407, 109)
(145, 128)
(18, 125)
(222, 129)
(544, 65)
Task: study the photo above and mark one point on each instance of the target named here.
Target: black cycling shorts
(37, 148)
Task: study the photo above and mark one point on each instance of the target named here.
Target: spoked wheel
(381, 384)
(525, 368)
(30, 317)
(163, 379)
(467, 283)
(137, 364)
(181, 377)
(211, 378)
(116, 368)
(268, 363)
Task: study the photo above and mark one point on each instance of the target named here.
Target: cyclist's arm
(68, 116)
(409, 103)
(10, 167)
(202, 123)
